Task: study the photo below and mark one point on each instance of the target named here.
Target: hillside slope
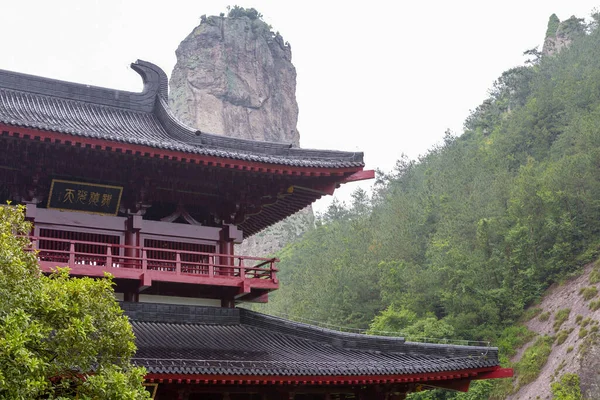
(580, 352)
(459, 243)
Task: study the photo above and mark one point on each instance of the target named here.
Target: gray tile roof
(138, 118)
(174, 339)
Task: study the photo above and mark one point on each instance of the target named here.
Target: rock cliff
(234, 76)
(560, 34)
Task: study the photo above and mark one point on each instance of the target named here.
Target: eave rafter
(456, 380)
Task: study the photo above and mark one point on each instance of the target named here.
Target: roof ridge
(154, 78)
(300, 329)
(68, 100)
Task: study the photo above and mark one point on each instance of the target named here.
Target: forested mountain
(459, 242)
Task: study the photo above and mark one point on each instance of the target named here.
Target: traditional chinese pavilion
(113, 182)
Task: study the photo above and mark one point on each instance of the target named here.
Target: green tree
(553, 23)
(59, 337)
(238, 12)
(405, 322)
(464, 238)
(567, 388)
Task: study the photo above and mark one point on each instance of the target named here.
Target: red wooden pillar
(131, 255)
(132, 238)
(225, 262)
(228, 236)
(226, 248)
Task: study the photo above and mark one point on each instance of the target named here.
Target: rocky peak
(560, 34)
(234, 76)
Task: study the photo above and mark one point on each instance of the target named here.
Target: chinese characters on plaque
(84, 197)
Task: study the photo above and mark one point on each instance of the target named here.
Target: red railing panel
(169, 260)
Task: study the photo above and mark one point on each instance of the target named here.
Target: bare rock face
(273, 239)
(560, 34)
(589, 367)
(235, 77)
(579, 353)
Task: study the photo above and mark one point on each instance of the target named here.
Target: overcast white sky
(383, 77)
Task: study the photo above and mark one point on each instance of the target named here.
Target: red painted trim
(148, 277)
(497, 374)
(152, 152)
(360, 176)
(462, 385)
(430, 378)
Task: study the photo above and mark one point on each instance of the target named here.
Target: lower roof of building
(197, 340)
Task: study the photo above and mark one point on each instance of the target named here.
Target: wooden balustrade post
(72, 255)
(109, 262)
(242, 267)
(177, 263)
(227, 262)
(144, 260)
(132, 241)
(273, 271)
(211, 266)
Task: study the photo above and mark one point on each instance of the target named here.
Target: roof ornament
(155, 79)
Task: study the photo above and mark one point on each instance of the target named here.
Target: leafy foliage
(553, 24)
(59, 337)
(560, 317)
(513, 338)
(561, 336)
(532, 361)
(238, 12)
(531, 313)
(406, 323)
(567, 388)
(595, 275)
(589, 292)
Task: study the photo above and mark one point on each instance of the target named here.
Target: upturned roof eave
(153, 103)
(202, 156)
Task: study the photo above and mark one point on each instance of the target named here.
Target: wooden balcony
(160, 270)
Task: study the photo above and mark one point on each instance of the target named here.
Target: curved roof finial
(155, 79)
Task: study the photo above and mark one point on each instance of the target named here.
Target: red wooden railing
(77, 253)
